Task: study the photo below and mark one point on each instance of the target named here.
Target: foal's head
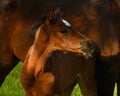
(57, 33)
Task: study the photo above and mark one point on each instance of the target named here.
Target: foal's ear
(54, 16)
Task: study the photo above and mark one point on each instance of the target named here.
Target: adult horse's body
(17, 33)
(97, 19)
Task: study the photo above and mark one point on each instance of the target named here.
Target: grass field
(12, 86)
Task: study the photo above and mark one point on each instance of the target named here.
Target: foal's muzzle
(88, 47)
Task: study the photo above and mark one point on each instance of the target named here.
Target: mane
(37, 25)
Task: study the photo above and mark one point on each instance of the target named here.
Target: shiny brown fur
(57, 78)
(97, 19)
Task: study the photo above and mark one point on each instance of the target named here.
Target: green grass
(12, 86)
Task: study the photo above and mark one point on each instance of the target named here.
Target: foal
(38, 77)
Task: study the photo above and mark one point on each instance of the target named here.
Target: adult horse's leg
(118, 86)
(105, 86)
(105, 80)
(87, 81)
(70, 88)
(88, 86)
(6, 68)
(7, 60)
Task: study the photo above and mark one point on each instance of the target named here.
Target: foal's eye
(63, 31)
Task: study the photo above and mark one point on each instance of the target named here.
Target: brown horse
(97, 19)
(42, 78)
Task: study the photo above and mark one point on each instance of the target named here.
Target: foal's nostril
(90, 45)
